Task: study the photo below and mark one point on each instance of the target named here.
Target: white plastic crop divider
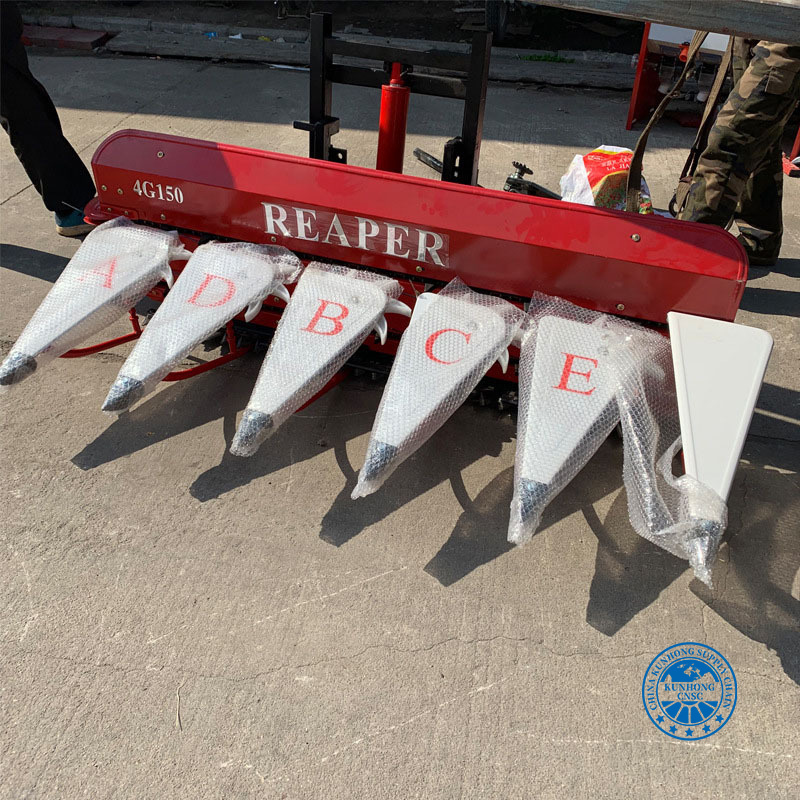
(332, 311)
(219, 281)
(452, 340)
(719, 368)
(569, 411)
(112, 270)
(425, 297)
(279, 291)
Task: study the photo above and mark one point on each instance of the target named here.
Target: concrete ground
(178, 623)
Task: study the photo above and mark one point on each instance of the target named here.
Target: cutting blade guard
(452, 340)
(332, 311)
(114, 268)
(218, 282)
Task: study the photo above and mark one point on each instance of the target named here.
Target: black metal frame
(461, 154)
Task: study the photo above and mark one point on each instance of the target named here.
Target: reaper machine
(602, 318)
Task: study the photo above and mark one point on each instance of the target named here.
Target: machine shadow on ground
(775, 302)
(630, 572)
(481, 533)
(754, 573)
(758, 560)
(36, 263)
(756, 567)
(329, 423)
(342, 415)
(777, 416)
(469, 435)
(754, 583)
(172, 410)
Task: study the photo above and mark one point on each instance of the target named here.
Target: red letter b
(320, 314)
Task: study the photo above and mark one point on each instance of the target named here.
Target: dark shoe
(72, 224)
(756, 257)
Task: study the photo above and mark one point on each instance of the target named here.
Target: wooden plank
(774, 20)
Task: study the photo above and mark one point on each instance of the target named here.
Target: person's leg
(747, 126)
(710, 178)
(759, 217)
(29, 117)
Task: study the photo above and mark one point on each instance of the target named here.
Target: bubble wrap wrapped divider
(567, 405)
(453, 338)
(331, 313)
(114, 268)
(219, 281)
(679, 514)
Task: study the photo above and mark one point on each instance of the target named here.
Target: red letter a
(106, 271)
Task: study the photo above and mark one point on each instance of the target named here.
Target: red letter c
(431, 341)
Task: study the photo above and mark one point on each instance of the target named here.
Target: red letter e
(565, 375)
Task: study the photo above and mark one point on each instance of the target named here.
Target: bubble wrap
(452, 340)
(331, 313)
(680, 514)
(218, 282)
(560, 426)
(567, 404)
(117, 264)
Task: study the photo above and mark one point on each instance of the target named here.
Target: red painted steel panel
(640, 266)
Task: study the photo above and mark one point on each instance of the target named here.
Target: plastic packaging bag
(680, 514)
(332, 311)
(218, 282)
(599, 179)
(117, 264)
(452, 340)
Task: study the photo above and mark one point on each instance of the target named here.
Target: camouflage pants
(739, 176)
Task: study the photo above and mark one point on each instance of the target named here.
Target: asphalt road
(178, 623)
